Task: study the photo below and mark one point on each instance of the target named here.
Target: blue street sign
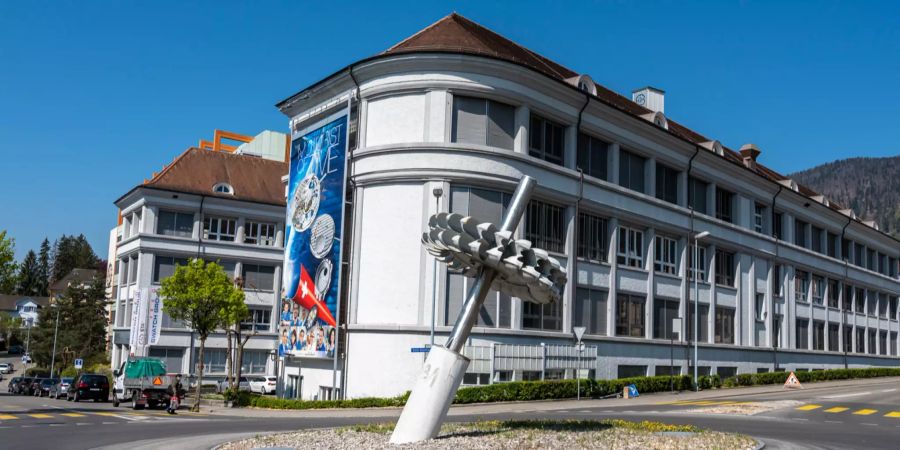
(419, 349)
(79, 363)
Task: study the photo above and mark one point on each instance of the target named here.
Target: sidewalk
(216, 408)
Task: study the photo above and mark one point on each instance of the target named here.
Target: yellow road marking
(865, 412)
(892, 414)
(73, 415)
(7, 417)
(809, 407)
(107, 414)
(41, 416)
(836, 409)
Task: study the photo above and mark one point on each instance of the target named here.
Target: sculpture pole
(444, 368)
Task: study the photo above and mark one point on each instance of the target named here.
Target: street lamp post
(438, 192)
(696, 265)
(55, 332)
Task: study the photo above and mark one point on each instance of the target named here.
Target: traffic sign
(579, 332)
(792, 382)
(420, 349)
(79, 363)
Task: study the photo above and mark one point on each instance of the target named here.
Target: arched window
(223, 188)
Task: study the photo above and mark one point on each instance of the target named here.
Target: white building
(219, 203)
(451, 118)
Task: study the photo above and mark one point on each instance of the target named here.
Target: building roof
(9, 302)
(74, 276)
(196, 171)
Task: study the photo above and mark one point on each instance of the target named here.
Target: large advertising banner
(136, 306)
(155, 320)
(313, 236)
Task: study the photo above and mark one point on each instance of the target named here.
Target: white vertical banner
(136, 303)
(142, 320)
(155, 323)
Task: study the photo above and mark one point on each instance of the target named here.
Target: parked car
(243, 385)
(61, 387)
(263, 385)
(23, 385)
(7, 368)
(92, 386)
(35, 385)
(43, 388)
(208, 383)
(13, 384)
(15, 350)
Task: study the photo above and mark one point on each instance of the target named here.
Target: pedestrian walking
(174, 391)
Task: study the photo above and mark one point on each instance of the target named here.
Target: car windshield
(66, 380)
(93, 378)
(48, 382)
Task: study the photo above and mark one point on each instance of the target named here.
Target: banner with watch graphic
(312, 250)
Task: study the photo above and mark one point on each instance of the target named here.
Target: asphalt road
(816, 419)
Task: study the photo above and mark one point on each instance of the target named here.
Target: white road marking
(871, 424)
(81, 424)
(889, 390)
(798, 418)
(854, 394)
(586, 411)
(833, 421)
(110, 423)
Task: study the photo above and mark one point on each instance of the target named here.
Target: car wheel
(76, 398)
(134, 402)
(115, 401)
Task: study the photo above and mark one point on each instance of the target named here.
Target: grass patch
(505, 426)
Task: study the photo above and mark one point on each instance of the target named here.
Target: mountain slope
(870, 186)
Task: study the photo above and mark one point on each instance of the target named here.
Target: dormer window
(223, 188)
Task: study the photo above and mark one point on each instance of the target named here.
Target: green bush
(40, 372)
(69, 372)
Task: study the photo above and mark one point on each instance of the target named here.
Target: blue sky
(97, 95)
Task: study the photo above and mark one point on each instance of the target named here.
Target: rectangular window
(892, 313)
(171, 223)
(494, 313)
(213, 360)
(800, 233)
(801, 286)
(833, 336)
(893, 343)
(778, 226)
(834, 293)
(259, 233)
(818, 335)
(698, 269)
(544, 226)
(703, 322)
(697, 195)
(663, 312)
(666, 258)
(860, 340)
(631, 171)
(724, 325)
(859, 254)
(726, 372)
(541, 317)
(831, 244)
(483, 122)
(631, 248)
(759, 217)
(547, 140)
(818, 289)
(860, 301)
(132, 270)
(882, 306)
(872, 348)
(777, 280)
(870, 259)
(725, 268)
(258, 320)
(164, 266)
(816, 239)
(630, 315)
(171, 357)
(592, 156)
(872, 304)
(666, 183)
(218, 229)
(848, 338)
(760, 306)
(667, 371)
(258, 277)
(592, 237)
(776, 330)
(253, 362)
(847, 301)
(724, 204)
(590, 310)
(632, 371)
(802, 334)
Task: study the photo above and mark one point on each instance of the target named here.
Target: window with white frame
(818, 289)
(259, 319)
(213, 359)
(258, 277)
(631, 248)
(759, 215)
(483, 122)
(259, 233)
(666, 258)
(592, 237)
(834, 293)
(253, 362)
(760, 306)
(724, 205)
(801, 286)
(725, 268)
(218, 229)
(171, 223)
(698, 269)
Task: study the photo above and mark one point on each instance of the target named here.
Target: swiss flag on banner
(306, 297)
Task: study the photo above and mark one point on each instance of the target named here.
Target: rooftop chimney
(651, 98)
(749, 152)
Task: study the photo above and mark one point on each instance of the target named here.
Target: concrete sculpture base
(431, 396)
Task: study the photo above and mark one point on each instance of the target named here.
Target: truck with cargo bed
(143, 382)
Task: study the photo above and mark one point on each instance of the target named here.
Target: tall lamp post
(55, 332)
(696, 265)
(438, 192)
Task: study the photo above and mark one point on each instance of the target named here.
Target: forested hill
(870, 186)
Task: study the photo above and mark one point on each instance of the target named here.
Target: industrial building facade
(451, 118)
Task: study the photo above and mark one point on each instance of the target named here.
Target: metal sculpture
(482, 251)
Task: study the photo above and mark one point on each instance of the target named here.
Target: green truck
(143, 382)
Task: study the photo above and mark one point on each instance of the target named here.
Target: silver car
(244, 385)
(60, 389)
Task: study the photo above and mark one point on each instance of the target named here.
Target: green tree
(44, 268)
(7, 264)
(198, 294)
(72, 252)
(233, 314)
(82, 327)
(29, 279)
(10, 328)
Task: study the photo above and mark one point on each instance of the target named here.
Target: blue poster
(313, 236)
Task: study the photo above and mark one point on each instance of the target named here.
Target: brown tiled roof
(8, 302)
(196, 171)
(76, 276)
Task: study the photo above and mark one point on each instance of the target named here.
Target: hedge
(565, 389)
